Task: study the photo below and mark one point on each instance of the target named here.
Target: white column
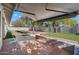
(0, 30)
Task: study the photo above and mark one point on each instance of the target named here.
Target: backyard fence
(67, 29)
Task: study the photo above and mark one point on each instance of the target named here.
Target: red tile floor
(31, 47)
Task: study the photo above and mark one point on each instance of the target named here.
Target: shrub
(9, 35)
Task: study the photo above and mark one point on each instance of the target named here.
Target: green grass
(68, 36)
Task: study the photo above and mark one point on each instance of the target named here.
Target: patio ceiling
(40, 11)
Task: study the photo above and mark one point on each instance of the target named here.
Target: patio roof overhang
(8, 9)
(42, 11)
(68, 15)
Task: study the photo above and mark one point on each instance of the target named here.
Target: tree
(22, 22)
(69, 21)
(55, 23)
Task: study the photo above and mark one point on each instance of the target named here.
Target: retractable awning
(42, 11)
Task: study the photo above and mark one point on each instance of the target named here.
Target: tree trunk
(54, 28)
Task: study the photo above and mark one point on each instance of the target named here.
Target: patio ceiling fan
(16, 9)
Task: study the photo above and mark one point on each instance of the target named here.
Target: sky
(76, 18)
(16, 15)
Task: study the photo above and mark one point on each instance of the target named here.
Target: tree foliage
(22, 22)
(67, 21)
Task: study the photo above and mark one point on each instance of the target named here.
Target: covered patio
(33, 42)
